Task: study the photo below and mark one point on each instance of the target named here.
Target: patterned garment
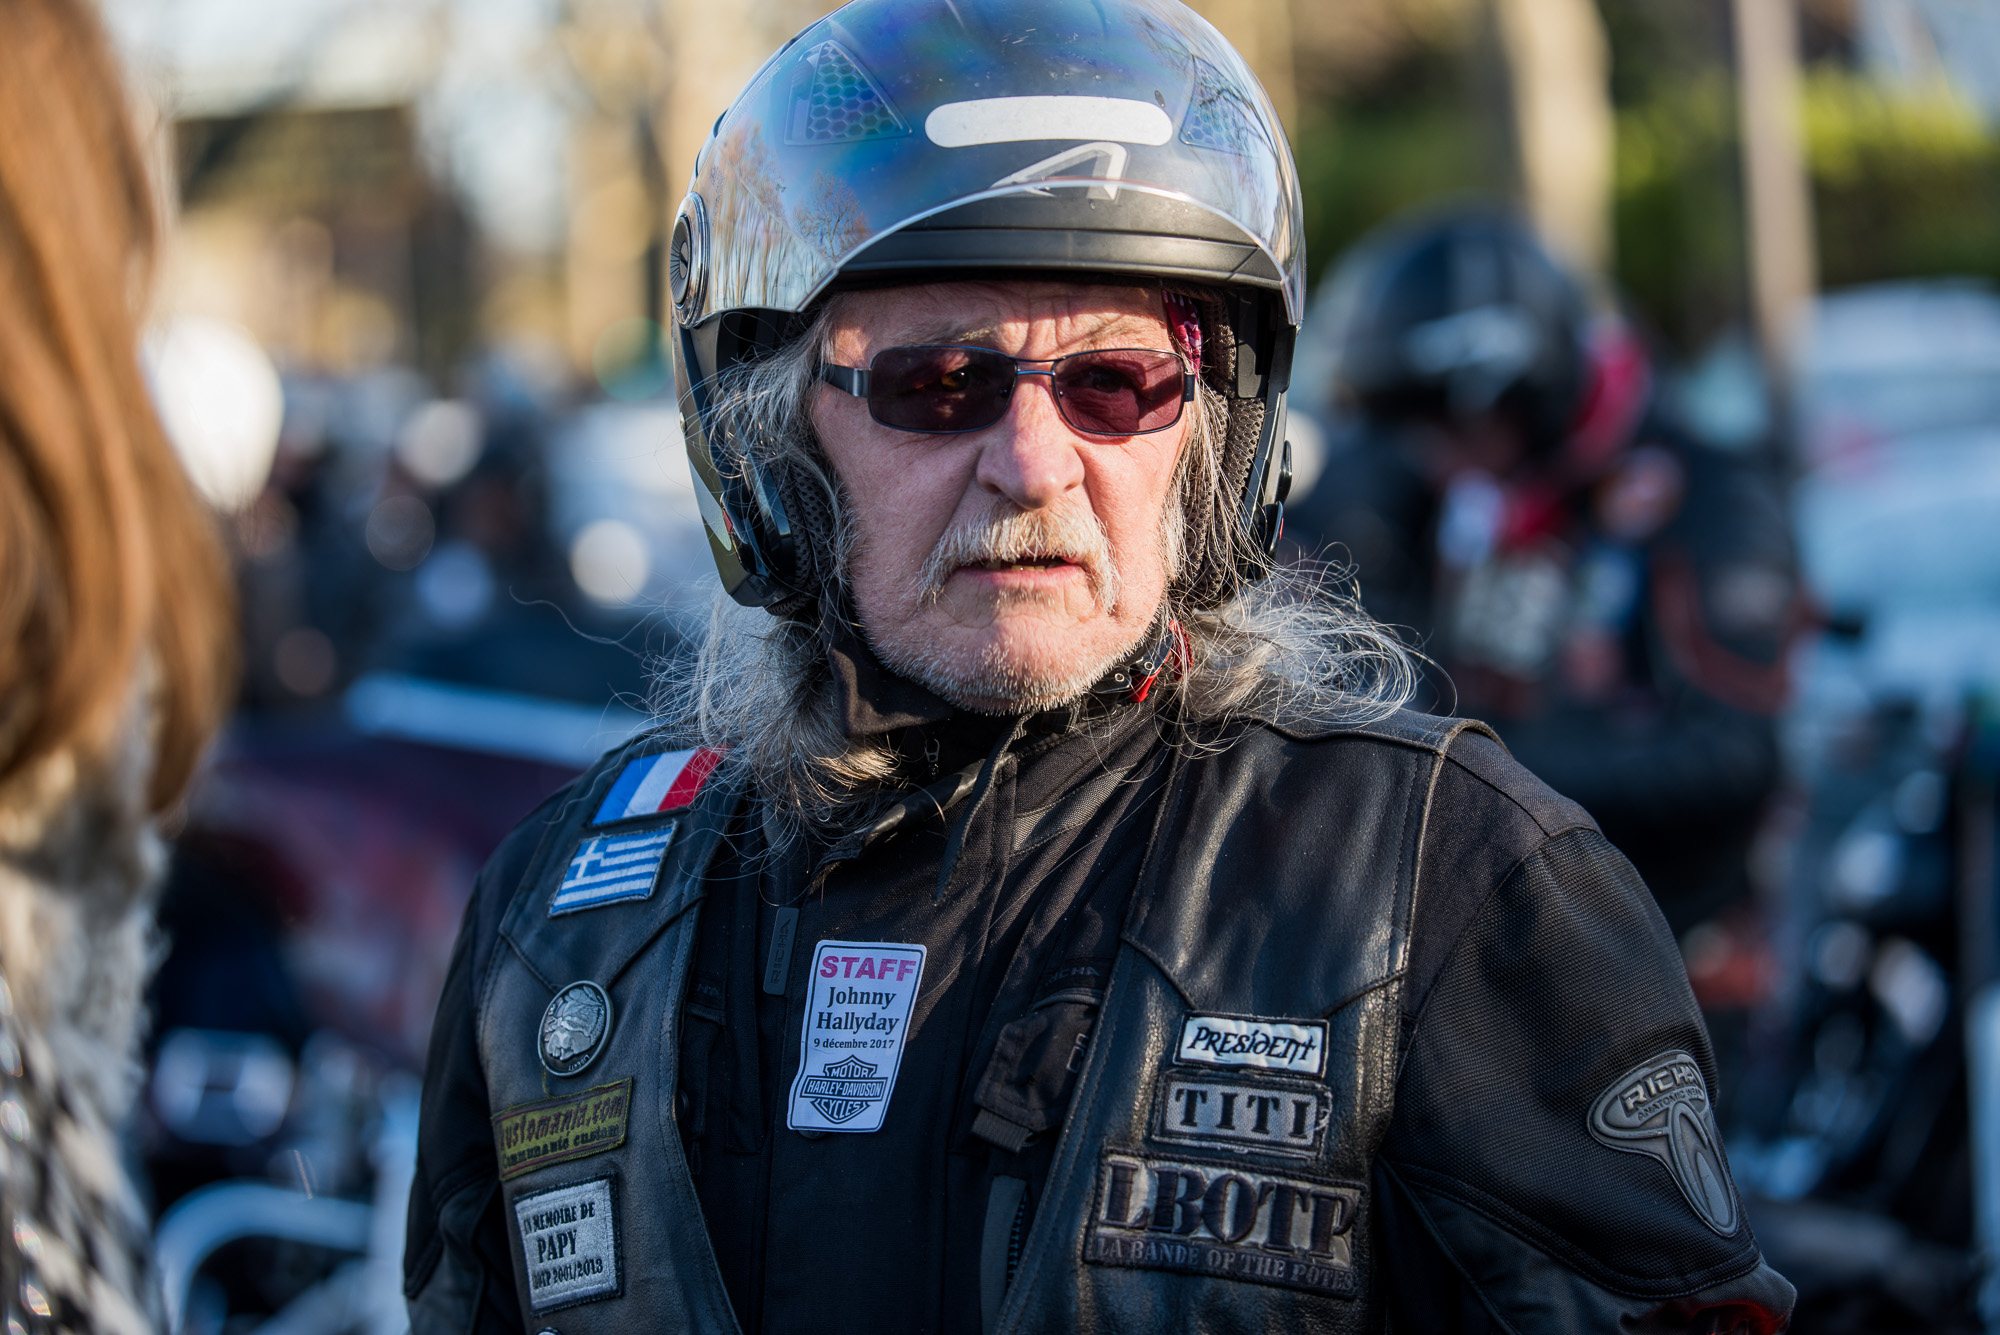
(79, 860)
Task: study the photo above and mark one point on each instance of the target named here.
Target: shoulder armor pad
(1407, 727)
(1489, 762)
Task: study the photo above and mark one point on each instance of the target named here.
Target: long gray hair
(1293, 648)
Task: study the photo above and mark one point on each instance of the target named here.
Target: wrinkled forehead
(1007, 314)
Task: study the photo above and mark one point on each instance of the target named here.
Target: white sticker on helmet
(1007, 120)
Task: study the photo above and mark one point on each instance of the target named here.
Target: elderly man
(1046, 918)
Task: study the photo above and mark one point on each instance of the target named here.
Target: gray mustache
(1070, 535)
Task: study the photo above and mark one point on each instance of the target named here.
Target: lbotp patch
(1233, 1221)
(573, 1028)
(1661, 1108)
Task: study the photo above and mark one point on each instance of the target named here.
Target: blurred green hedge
(1906, 183)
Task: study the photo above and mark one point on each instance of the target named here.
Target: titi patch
(569, 1244)
(1225, 1220)
(535, 1135)
(1660, 1108)
(1279, 1117)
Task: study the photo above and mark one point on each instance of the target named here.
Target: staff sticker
(857, 1019)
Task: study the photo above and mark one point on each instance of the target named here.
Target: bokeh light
(221, 403)
(610, 561)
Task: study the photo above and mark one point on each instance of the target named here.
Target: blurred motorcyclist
(1612, 595)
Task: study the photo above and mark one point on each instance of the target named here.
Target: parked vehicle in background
(1865, 1129)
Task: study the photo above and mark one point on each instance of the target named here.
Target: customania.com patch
(539, 1135)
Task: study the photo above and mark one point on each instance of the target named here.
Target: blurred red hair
(109, 562)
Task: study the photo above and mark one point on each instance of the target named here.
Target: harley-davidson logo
(1660, 1108)
(846, 1089)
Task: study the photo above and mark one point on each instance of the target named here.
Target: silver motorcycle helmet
(922, 140)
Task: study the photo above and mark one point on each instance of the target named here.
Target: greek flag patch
(653, 784)
(610, 868)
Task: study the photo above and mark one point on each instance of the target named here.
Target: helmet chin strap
(1166, 648)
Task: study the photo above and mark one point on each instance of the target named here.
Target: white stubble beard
(995, 679)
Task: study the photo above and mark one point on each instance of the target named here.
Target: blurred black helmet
(1457, 315)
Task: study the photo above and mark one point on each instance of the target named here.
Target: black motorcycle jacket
(1373, 1032)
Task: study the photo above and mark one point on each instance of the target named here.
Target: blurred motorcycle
(311, 911)
(1864, 1131)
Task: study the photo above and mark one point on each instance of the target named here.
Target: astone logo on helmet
(1296, 1046)
(857, 1020)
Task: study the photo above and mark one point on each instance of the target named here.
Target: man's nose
(1031, 456)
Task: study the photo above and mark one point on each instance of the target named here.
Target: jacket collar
(875, 700)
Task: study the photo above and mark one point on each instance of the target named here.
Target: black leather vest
(1213, 1171)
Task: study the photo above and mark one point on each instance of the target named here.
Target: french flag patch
(653, 784)
(610, 868)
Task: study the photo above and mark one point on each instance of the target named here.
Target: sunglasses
(944, 389)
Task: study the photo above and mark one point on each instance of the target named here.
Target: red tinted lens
(1121, 391)
(939, 389)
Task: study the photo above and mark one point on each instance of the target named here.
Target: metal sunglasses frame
(855, 380)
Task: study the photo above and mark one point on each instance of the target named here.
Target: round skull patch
(574, 1028)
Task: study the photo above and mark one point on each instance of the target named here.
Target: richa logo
(1660, 1108)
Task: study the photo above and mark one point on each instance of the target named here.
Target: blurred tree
(1559, 102)
(1262, 32)
(1784, 267)
(1907, 180)
(621, 57)
(1389, 114)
